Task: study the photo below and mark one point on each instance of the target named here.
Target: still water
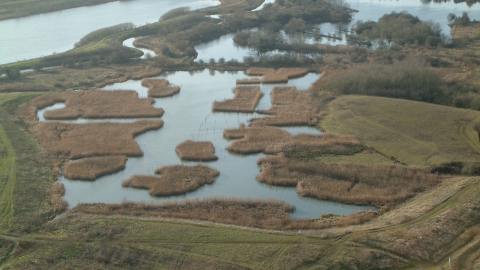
(368, 10)
(44, 34)
(188, 115)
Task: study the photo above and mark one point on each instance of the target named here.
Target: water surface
(188, 115)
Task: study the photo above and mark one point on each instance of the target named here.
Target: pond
(368, 10)
(188, 115)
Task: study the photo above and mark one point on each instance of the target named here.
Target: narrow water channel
(188, 115)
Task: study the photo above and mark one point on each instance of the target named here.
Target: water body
(43, 34)
(188, 115)
(368, 10)
(146, 52)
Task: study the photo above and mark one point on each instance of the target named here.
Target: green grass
(412, 132)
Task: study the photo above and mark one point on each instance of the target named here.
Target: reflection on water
(188, 115)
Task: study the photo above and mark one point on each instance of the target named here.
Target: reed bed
(308, 145)
(257, 71)
(245, 100)
(94, 167)
(56, 192)
(77, 141)
(352, 183)
(283, 95)
(103, 104)
(253, 139)
(196, 151)
(173, 180)
(282, 75)
(258, 213)
(160, 87)
(301, 111)
(249, 81)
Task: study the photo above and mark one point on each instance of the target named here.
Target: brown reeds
(56, 192)
(258, 213)
(173, 180)
(94, 167)
(346, 182)
(245, 100)
(257, 71)
(283, 75)
(283, 95)
(289, 109)
(253, 139)
(160, 87)
(308, 145)
(97, 104)
(196, 151)
(249, 81)
(93, 139)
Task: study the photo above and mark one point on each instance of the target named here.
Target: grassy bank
(412, 132)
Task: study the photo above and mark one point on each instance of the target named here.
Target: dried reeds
(245, 100)
(253, 139)
(290, 108)
(314, 145)
(258, 213)
(196, 151)
(257, 71)
(160, 88)
(283, 75)
(94, 167)
(249, 81)
(173, 180)
(93, 139)
(282, 95)
(97, 104)
(346, 182)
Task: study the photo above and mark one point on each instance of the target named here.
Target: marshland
(354, 143)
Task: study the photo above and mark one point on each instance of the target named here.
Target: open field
(412, 132)
(94, 167)
(94, 139)
(173, 180)
(196, 151)
(245, 100)
(160, 88)
(249, 140)
(96, 104)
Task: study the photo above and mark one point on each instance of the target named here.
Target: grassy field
(414, 133)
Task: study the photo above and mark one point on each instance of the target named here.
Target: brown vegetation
(176, 179)
(283, 74)
(308, 145)
(292, 108)
(252, 139)
(56, 192)
(97, 104)
(196, 151)
(265, 214)
(257, 71)
(245, 100)
(248, 81)
(283, 95)
(93, 139)
(160, 88)
(94, 167)
(346, 182)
